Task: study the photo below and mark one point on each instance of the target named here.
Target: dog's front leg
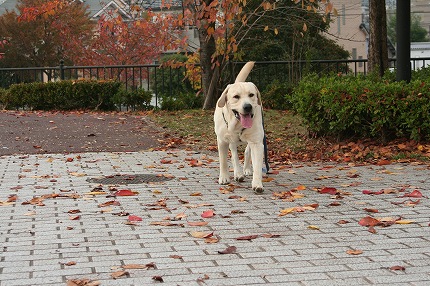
(224, 177)
(238, 173)
(257, 155)
(247, 170)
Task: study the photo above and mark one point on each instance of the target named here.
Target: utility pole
(403, 35)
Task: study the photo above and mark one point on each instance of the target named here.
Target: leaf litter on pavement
(195, 226)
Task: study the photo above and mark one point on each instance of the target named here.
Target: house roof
(95, 7)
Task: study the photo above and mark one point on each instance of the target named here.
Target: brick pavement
(48, 242)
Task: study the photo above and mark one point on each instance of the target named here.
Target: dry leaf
(118, 274)
(354, 251)
(228, 250)
(201, 234)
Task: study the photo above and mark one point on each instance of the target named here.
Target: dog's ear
(258, 95)
(223, 98)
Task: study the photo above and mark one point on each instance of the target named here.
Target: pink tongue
(246, 120)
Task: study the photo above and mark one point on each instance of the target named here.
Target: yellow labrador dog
(238, 120)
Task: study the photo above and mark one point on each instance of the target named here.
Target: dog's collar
(223, 116)
(226, 123)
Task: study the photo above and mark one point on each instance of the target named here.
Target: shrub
(274, 95)
(348, 106)
(181, 101)
(138, 99)
(63, 95)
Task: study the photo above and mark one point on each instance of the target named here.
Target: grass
(285, 131)
(287, 137)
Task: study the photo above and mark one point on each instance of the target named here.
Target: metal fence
(170, 81)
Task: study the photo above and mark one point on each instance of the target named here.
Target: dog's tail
(244, 72)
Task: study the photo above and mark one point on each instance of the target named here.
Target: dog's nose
(247, 108)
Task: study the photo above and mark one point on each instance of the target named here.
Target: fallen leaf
(74, 211)
(228, 250)
(212, 239)
(197, 223)
(248, 237)
(397, 268)
(413, 194)
(328, 190)
(371, 210)
(368, 221)
(354, 251)
(82, 282)
(404, 221)
(70, 263)
(270, 235)
(138, 266)
(134, 218)
(314, 227)
(118, 274)
(174, 256)
(208, 214)
(158, 278)
(124, 193)
(78, 217)
(201, 234)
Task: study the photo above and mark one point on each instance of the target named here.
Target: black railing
(170, 81)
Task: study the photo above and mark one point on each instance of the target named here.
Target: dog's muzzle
(246, 117)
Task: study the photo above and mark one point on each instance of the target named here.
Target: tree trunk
(378, 51)
(207, 49)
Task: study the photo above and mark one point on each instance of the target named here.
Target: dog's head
(242, 99)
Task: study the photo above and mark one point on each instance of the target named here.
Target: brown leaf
(74, 211)
(248, 237)
(70, 263)
(174, 256)
(138, 266)
(368, 221)
(201, 234)
(354, 251)
(118, 274)
(158, 278)
(228, 250)
(371, 210)
(270, 235)
(197, 223)
(82, 282)
(397, 267)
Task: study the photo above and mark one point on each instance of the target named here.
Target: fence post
(62, 69)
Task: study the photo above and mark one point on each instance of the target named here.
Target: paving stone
(38, 240)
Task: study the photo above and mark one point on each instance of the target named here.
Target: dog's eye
(236, 97)
(251, 95)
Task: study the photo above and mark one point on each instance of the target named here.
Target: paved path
(59, 225)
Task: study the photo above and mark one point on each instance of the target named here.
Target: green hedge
(62, 95)
(364, 107)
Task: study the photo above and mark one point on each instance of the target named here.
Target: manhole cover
(129, 179)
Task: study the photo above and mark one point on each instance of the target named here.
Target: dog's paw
(258, 190)
(240, 178)
(224, 180)
(247, 172)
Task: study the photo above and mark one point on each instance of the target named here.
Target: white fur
(230, 132)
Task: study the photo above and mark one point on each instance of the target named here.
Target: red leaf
(248, 237)
(134, 218)
(123, 193)
(368, 221)
(371, 210)
(397, 267)
(208, 214)
(228, 250)
(328, 190)
(367, 192)
(414, 194)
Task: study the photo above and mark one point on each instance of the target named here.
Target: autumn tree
(40, 36)
(224, 24)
